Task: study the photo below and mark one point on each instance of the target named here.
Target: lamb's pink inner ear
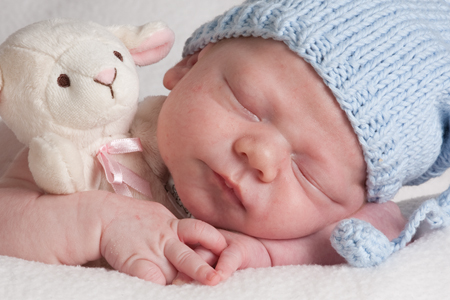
(154, 48)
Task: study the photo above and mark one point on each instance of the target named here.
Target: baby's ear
(148, 43)
(177, 72)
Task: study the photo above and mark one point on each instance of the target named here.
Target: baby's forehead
(266, 70)
(252, 57)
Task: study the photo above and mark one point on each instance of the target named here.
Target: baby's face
(256, 142)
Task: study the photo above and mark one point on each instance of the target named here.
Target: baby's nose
(106, 77)
(262, 155)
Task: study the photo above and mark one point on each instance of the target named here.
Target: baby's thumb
(229, 262)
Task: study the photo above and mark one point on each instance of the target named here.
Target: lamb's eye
(118, 55)
(63, 81)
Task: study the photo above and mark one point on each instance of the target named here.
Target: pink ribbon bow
(119, 176)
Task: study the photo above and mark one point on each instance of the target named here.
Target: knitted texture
(362, 245)
(387, 63)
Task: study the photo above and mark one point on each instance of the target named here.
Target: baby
(292, 114)
(280, 136)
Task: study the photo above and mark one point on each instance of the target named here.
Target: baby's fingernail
(214, 276)
(179, 281)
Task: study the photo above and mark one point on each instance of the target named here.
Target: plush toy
(69, 91)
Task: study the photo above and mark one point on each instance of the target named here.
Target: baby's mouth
(230, 191)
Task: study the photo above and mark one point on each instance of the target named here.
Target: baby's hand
(243, 252)
(137, 237)
(151, 243)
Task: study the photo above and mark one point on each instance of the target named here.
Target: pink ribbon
(119, 176)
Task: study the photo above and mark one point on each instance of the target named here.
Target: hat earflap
(362, 245)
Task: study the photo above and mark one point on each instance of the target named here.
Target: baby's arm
(248, 252)
(244, 251)
(140, 238)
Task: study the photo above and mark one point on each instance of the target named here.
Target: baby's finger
(195, 231)
(205, 254)
(147, 270)
(229, 261)
(185, 260)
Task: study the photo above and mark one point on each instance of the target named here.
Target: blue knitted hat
(387, 63)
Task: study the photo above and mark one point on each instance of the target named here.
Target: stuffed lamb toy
(69, 91)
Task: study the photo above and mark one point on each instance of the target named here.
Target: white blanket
(421, 271)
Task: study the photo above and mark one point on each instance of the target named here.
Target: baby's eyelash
(296, 169)
(251, 114)
(247, 111)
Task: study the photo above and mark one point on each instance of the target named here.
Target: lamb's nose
(106, 77)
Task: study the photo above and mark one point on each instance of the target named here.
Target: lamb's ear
(148, 43)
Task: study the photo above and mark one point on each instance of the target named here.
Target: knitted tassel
(362, 245)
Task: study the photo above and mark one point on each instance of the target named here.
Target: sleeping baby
(294, 115)
(284, 118)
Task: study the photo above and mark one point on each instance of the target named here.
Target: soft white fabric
(420, 271)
